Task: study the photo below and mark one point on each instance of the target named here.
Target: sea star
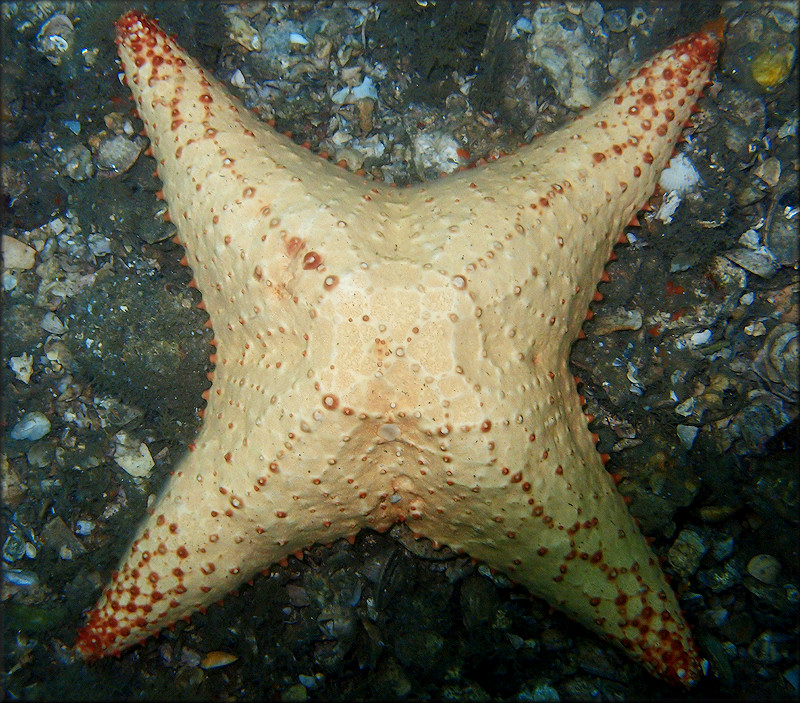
(389, 355)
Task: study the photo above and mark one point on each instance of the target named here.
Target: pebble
(20, 577)
(700, 338)
(76, 163)
(99, 244)
(84, 528)
(14, 546)
(687, 435)
(310, 682)
(545, 693)
(593, 13)
(716, 513)
(755, 329)
(133, 456)
(750, 239)
(764, 649)
(17, 254)
(687, 552)
(715, 617)
(523, 24)
(683, 261)
(764, 567)
(58, 537)
(436, 151)
(723, 549)
(296, 692)
(781, 238)
(768, 171)
(32, 426)
(719, 578)
(792, 676)
(616, 20)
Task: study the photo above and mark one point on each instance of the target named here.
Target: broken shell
(758, 261)
(781, 239)
(769, 171)
(772, 65)
(242, 33)
(214, 660)
(619, 319)
(117, 154)
(55, 38)
(778, 359)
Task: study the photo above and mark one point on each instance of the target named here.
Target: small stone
(755, 329)
(680, 175)
(41, 454)
(764, 567)
(716, 513)
(11, 484)
(750, 239)
(133, 456)
(545, 693)
(76, 163)
(765, 649)
(773, 65)
(724, 549)
(683, 261)
(715, 617)
(700, 338)
(32, 426)
(687, 552)
(296, 693)
(720, 578)
(593, 13)
(17, 254)
(84, 527)
(687, 435)
(792, 676)
(769, 171)
(616, 20)
(57, 536)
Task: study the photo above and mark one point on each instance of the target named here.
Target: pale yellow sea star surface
(389, 355)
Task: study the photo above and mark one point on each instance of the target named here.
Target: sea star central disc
(394, 355)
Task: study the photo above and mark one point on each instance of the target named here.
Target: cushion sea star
(389, 355)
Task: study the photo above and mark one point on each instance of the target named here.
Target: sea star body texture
(399, 354)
